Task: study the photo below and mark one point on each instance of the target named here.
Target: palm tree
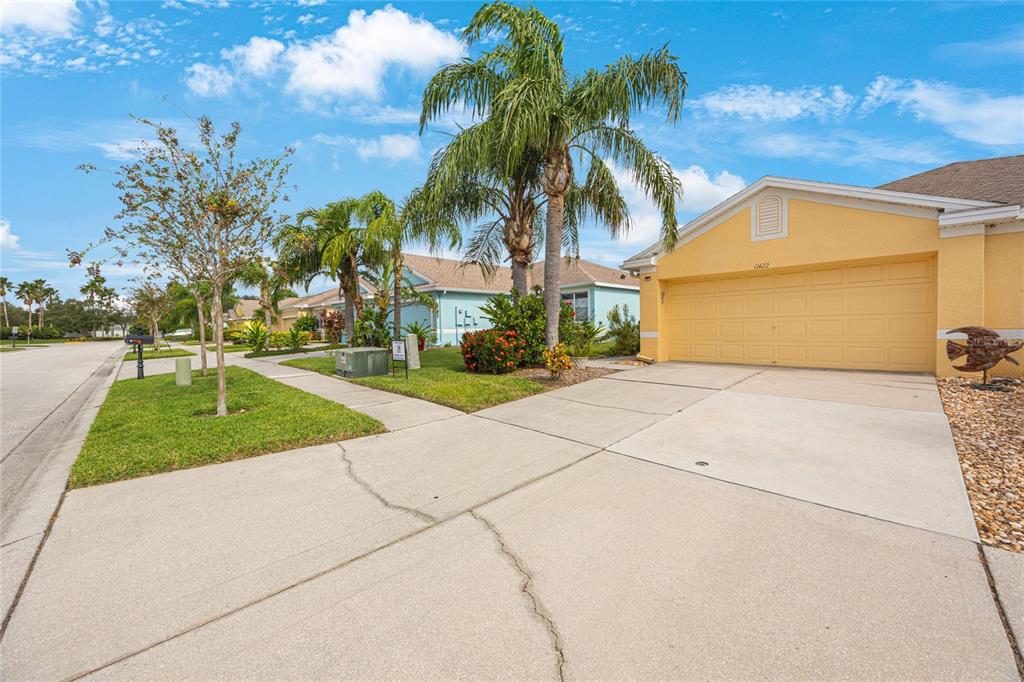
(468, 178)
(45, 294)
(5, 286)
(390, 227)
(523, 88)
(272, 281)
(26, 295)
(326, 241)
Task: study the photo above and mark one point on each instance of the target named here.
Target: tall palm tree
(5, 286)
(26, 294)
(326, 241)
(271, 279)
(391, 227)
(45, 294)
(522, 86)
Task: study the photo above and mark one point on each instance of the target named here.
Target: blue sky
(859, 93)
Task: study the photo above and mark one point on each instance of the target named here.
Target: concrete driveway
(570, 535)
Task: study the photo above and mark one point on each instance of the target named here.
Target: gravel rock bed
(988, 429)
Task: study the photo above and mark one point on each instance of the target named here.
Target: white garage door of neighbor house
(876, 315)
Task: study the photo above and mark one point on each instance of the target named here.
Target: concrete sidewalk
(508, 545)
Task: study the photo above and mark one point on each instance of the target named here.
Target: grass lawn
(150, 426)
(156, 354)
(442, 379)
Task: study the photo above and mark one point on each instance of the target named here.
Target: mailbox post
(14, 337)
(139, 341)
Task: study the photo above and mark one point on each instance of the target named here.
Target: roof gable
(824, 190)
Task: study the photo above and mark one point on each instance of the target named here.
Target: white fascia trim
(986, 214)
(1006, 228)
(630, 287)
(640, 263)
(648, 335)
(456, 290)
(827, 188)
(943, 334)
(421, 276)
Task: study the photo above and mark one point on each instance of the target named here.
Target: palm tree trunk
(399, 268)
(218, 339)
(350, 313)
(39, 313)
(520, 282)
(553, 266)
(265, 304)
(201, 315)
(6, 322)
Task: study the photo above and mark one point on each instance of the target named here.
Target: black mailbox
(139, 339)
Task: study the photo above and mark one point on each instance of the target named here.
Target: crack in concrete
(1018, 659)
(524, 587)
(422, 516)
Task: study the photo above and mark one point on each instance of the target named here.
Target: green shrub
(305, 323)
(623, 331)
(580, 342)
(525, 315)
(297, 338)
(279, 339)
(373, 328)
(255, 335)
(423, 332)
(492, 351)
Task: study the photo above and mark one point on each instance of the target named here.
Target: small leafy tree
(151, 302)
(200, 212)
(623, 331)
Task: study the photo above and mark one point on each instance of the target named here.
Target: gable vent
(769, 219)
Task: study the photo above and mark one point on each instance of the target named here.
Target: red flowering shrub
(491, 351)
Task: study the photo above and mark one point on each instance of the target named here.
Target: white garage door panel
(873, 316)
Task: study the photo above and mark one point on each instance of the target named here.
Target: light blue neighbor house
(459, 291)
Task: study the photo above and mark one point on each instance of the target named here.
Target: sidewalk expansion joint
(525, 587)
(1004, 620)
(422, 516)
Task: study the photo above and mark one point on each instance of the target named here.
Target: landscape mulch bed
(988, 429)
(568, 378)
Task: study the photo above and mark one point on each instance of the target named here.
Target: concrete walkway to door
(569, 535)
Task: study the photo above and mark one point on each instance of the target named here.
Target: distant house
(243, 311)
(460, 291)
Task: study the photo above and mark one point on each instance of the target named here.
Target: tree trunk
(350, 313)
(218, 339)
(399, 271)
(265, 303)
(39, 314)
(6, 323)
(201, 314)
(520, 281)
(553, 267)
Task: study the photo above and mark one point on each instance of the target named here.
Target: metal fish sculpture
(984, 350)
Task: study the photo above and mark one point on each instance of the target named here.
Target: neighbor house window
(580, 303)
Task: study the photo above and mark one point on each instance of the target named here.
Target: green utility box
(360, 362)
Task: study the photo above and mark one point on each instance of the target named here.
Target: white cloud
(394, 147)
(8, 240)
(49, 17)
(701, 191)
(766, 103)
(311, 3)
(353, 60)
(209, 81)
(843, 148)
(257, 57)
(121, 150)
(1009, 45)
(385, 115)
(968, 114)
(306, 19)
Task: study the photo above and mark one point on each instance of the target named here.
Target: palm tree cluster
(537, 165)
(36, 295)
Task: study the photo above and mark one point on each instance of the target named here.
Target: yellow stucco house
(812, 274)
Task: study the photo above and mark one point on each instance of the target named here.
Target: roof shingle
(999, 180)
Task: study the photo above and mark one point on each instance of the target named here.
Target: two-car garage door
(878, 315)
